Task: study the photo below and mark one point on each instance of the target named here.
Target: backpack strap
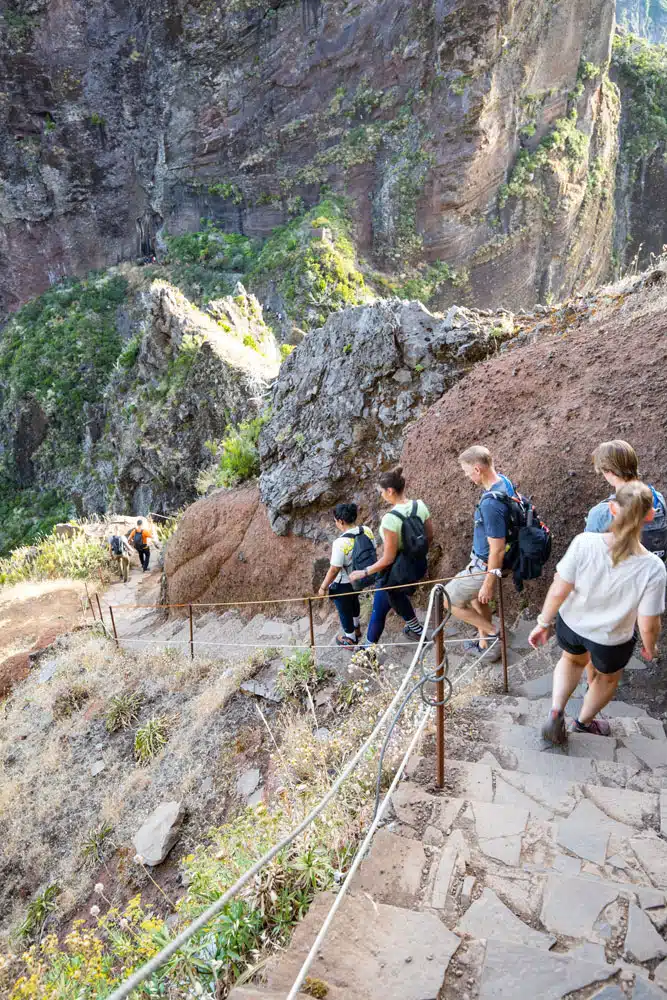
(415, 508)
(657, 502)
(402, 518)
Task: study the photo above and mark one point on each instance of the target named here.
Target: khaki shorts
(465, 586)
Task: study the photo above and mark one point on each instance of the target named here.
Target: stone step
(372, 952)
(536, 709)
(256, 993)
(584, 760)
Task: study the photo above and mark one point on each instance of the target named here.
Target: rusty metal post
(503, 635)
(113, 625)
(192, 634)
(90, 603)
(440, 692)
(312, 626)
(99, 607)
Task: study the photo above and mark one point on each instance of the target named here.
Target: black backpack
(411, 563)
(528, 539)
(116, 545)
(363, 556)
(138, 540)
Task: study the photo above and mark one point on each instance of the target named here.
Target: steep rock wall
(118, 119)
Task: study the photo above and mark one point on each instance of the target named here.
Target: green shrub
(298, 673)
(150, 739)
(56, 556)
(236, 455)
(38, 912)
(28, 515)
(70, 701)
(96, 843)
(642, 69)
(123, 710)
(128, 356)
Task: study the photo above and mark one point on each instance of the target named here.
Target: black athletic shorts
(606, 659)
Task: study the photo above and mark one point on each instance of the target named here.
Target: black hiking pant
(144, 557)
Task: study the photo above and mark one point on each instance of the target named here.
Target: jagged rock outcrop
(120, 120)
(647, 18)
(344, 397)
(195, 375)
(574, 375)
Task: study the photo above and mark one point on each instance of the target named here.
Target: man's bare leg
(485, 611)
(477, 618)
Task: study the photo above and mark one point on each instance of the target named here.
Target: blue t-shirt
(599, 518)
(491, 518)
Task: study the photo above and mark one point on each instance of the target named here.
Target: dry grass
(51, 736)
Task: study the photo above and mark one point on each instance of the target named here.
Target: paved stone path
(537, 873)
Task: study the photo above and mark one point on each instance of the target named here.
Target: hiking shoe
(554, 730)
(598, 727)
(412, 634)
(493, 652)
(345, 640)
(471, 646)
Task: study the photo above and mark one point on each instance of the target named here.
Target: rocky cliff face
(111, 388)
(121, 120)
(647, 18)
(572, 376)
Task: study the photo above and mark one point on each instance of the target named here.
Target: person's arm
(389, 553)
(332, 573)
(495, 561)
(557, 594)
(649, 630)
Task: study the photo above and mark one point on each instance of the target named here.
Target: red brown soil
(32, 616)
(542, 409)
(225, 550)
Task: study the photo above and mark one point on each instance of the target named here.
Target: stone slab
(647, 991)
(539, 687)
(588, 840)
(489, 918)
(653, 753)
(492, 820)
(653, 728)
(611, 993)
(513, 972)
(652, 855)
(449, 810)
(449, 855)
(412, 804)
(566, 865)
(392, 873)
(372, 950)
(505, 849)
(248, 782)
(158, 834)
(571, 906)
(555, 765)
(472, 781)
(623, 805)
(661, 975)
(642, 941)
(595, 747)
(663, 813)
(636, 663)
(508, 794)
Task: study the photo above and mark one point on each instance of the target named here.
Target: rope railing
(438, 676)
(155, 963)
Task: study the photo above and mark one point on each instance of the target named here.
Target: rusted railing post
(192, 634)
(503, 635)
(312, 626)
(90, 603)
(440, 692)
(99, 607)
(113, 626)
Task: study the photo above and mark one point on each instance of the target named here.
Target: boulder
(343, 399)
(158, 834)
(224, 550)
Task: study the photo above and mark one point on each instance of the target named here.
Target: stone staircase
(536, 873)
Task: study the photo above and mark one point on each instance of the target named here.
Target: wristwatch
(543, 623)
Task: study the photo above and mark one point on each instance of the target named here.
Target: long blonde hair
(633, 502)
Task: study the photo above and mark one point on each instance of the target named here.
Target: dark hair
(346, 512)
(139, 520)
(393, 480)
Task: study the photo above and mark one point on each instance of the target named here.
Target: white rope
(269, 645)
(357, 861)
(364, 846)
(212, 911)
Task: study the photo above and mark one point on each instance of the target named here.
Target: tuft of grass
(313, 987)
(70, 701)
(38, 912)
(78, 557)
(298, 674)
(96, 843)
(151, 738)
(236, 456)
(123, 710)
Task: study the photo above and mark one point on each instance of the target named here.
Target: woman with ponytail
(605, 585)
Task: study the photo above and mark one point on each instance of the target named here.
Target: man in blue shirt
(472, 589)
(617, 461)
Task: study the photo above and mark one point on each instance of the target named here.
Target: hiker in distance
(474, 587)
(140, 537)
(407, 532)
(605, 585)
(121, 552)
(353, 549)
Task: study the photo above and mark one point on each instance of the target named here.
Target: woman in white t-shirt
(337, 581)
(605, 584)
